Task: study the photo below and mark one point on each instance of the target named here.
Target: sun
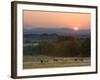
(76, 28)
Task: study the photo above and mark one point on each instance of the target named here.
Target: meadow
(56, 51)
(49, 62)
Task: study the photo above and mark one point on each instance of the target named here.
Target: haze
(41, 19)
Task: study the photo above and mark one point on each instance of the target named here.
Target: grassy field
(42, 61)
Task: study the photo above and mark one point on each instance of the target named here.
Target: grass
(30, 62)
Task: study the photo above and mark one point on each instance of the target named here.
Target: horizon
(53, 28)
(59, 31)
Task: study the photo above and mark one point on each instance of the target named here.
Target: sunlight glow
(76, 28)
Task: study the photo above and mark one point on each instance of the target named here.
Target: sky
(43, 19)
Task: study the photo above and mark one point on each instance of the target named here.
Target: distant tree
(86, 48)
(28, 50)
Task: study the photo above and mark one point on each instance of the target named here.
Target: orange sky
(40, 19)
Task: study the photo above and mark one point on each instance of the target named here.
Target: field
(52, 50)
(42, 61)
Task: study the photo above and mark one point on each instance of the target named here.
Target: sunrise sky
(40, 19)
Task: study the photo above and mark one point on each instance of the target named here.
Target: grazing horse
(75, 59)
(55, 60)
(79, 59)
(42, 61)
